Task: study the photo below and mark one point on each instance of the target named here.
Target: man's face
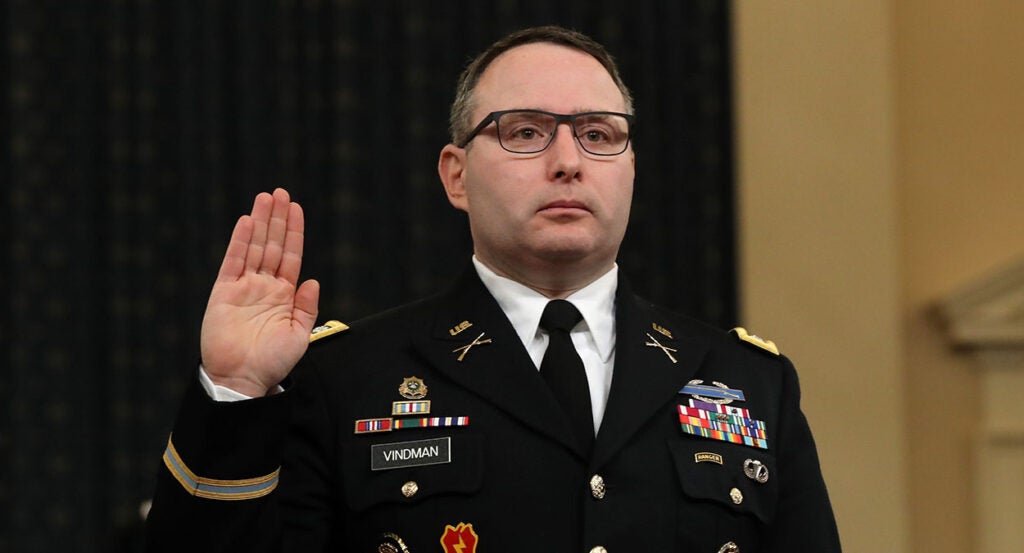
(558, 209)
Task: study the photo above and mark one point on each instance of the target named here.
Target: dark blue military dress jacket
(429, 429)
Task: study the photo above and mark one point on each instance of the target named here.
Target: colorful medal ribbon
(365, 426)
(410, 407)
(722, 426)
(427, 422)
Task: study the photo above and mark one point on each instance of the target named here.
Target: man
(475, 420)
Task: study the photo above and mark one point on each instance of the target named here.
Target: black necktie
(563, 369)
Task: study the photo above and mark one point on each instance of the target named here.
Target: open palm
(258, 321)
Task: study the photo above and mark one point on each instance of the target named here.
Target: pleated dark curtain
(135, 132)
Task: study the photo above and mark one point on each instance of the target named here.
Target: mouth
(563, 207)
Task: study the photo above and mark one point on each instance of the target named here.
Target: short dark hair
(459, 124)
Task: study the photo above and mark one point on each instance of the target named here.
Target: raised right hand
(257, 322)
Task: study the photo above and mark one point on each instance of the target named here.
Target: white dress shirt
(593, 337)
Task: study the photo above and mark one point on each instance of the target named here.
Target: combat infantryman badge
(718, 393)
(459, 539)
(413, 388)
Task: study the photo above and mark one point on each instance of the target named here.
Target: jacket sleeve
(219, 487)
(804, 519)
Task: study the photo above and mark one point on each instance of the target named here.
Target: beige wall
(880, 168)
(961, 196)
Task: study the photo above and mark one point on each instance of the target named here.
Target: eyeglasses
(528, 131)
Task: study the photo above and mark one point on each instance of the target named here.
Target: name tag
(417, 453)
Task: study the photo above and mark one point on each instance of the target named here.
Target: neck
(553, 281)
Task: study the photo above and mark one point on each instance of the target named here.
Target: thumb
(306, 309)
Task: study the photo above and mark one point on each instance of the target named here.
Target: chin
(565, 252)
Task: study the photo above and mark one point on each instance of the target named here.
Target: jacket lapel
(645, 378)
(494, 364)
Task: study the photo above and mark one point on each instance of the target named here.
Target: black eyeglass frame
(559, 119)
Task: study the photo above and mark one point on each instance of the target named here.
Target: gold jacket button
(410, 488)
(387, 548)
(729, 547)
(597, 488)
(598, 549)
(736, 495)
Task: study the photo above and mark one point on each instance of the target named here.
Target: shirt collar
(523, 306)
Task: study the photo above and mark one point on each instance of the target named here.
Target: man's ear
(451, 167)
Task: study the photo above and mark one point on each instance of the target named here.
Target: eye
(595, 135)
(525, 133)
(600, 129)
(522, 132)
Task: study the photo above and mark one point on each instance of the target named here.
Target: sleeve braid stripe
(211, 488)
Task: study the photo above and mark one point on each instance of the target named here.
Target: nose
(564, 154)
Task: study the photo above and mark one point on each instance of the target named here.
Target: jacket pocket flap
(409, 471)
(718, 472)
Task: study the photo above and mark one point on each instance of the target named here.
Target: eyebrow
(573, 112)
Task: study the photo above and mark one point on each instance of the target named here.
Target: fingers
(276, 232)
(275, 242)
(269, 241)
(234, 258)
(291, 256)
(262, 207)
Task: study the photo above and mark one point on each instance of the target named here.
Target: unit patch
(459, 539)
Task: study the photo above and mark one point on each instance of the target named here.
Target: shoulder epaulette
(327, 329)
(766, 345)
